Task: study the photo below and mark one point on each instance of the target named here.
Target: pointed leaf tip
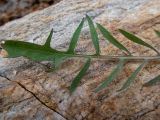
(137, 40)
(157, 32)
(94, 35)
(80, 75)
(111, 39)
(75, 37)
(48, 41)
(111, 77)
(132, 76)
(152, 81)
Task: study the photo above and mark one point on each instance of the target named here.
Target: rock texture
(13, 9)
(29, 92)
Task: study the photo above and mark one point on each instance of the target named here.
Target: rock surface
(13, 9)
(29, 92)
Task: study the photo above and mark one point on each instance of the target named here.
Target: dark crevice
(37, 98)
(50, 2)
(148, 111)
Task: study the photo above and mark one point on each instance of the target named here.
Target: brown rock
(14, 9)
(28, 91)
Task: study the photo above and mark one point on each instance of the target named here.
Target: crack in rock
(142, 113)
(37, 98)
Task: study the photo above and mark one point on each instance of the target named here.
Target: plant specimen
(46, 53)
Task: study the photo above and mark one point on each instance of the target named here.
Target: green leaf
(75, 37)
(137, 40)
(111, 39)
(133, 76)
(157, 32)
(48, 41)
(80, 75)
(153, 81)
(111, 77)
(94, 35)
(30, 50)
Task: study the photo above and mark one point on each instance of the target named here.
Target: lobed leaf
(133, 76)
(153, 81)
(157, 32)
(137, 40)
(94, 35)
(80, 75)
(75, 37)
(111, 39)
(30, 50)
(111, 77)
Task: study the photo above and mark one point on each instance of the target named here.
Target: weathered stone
(28, 91)
(13, 9)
